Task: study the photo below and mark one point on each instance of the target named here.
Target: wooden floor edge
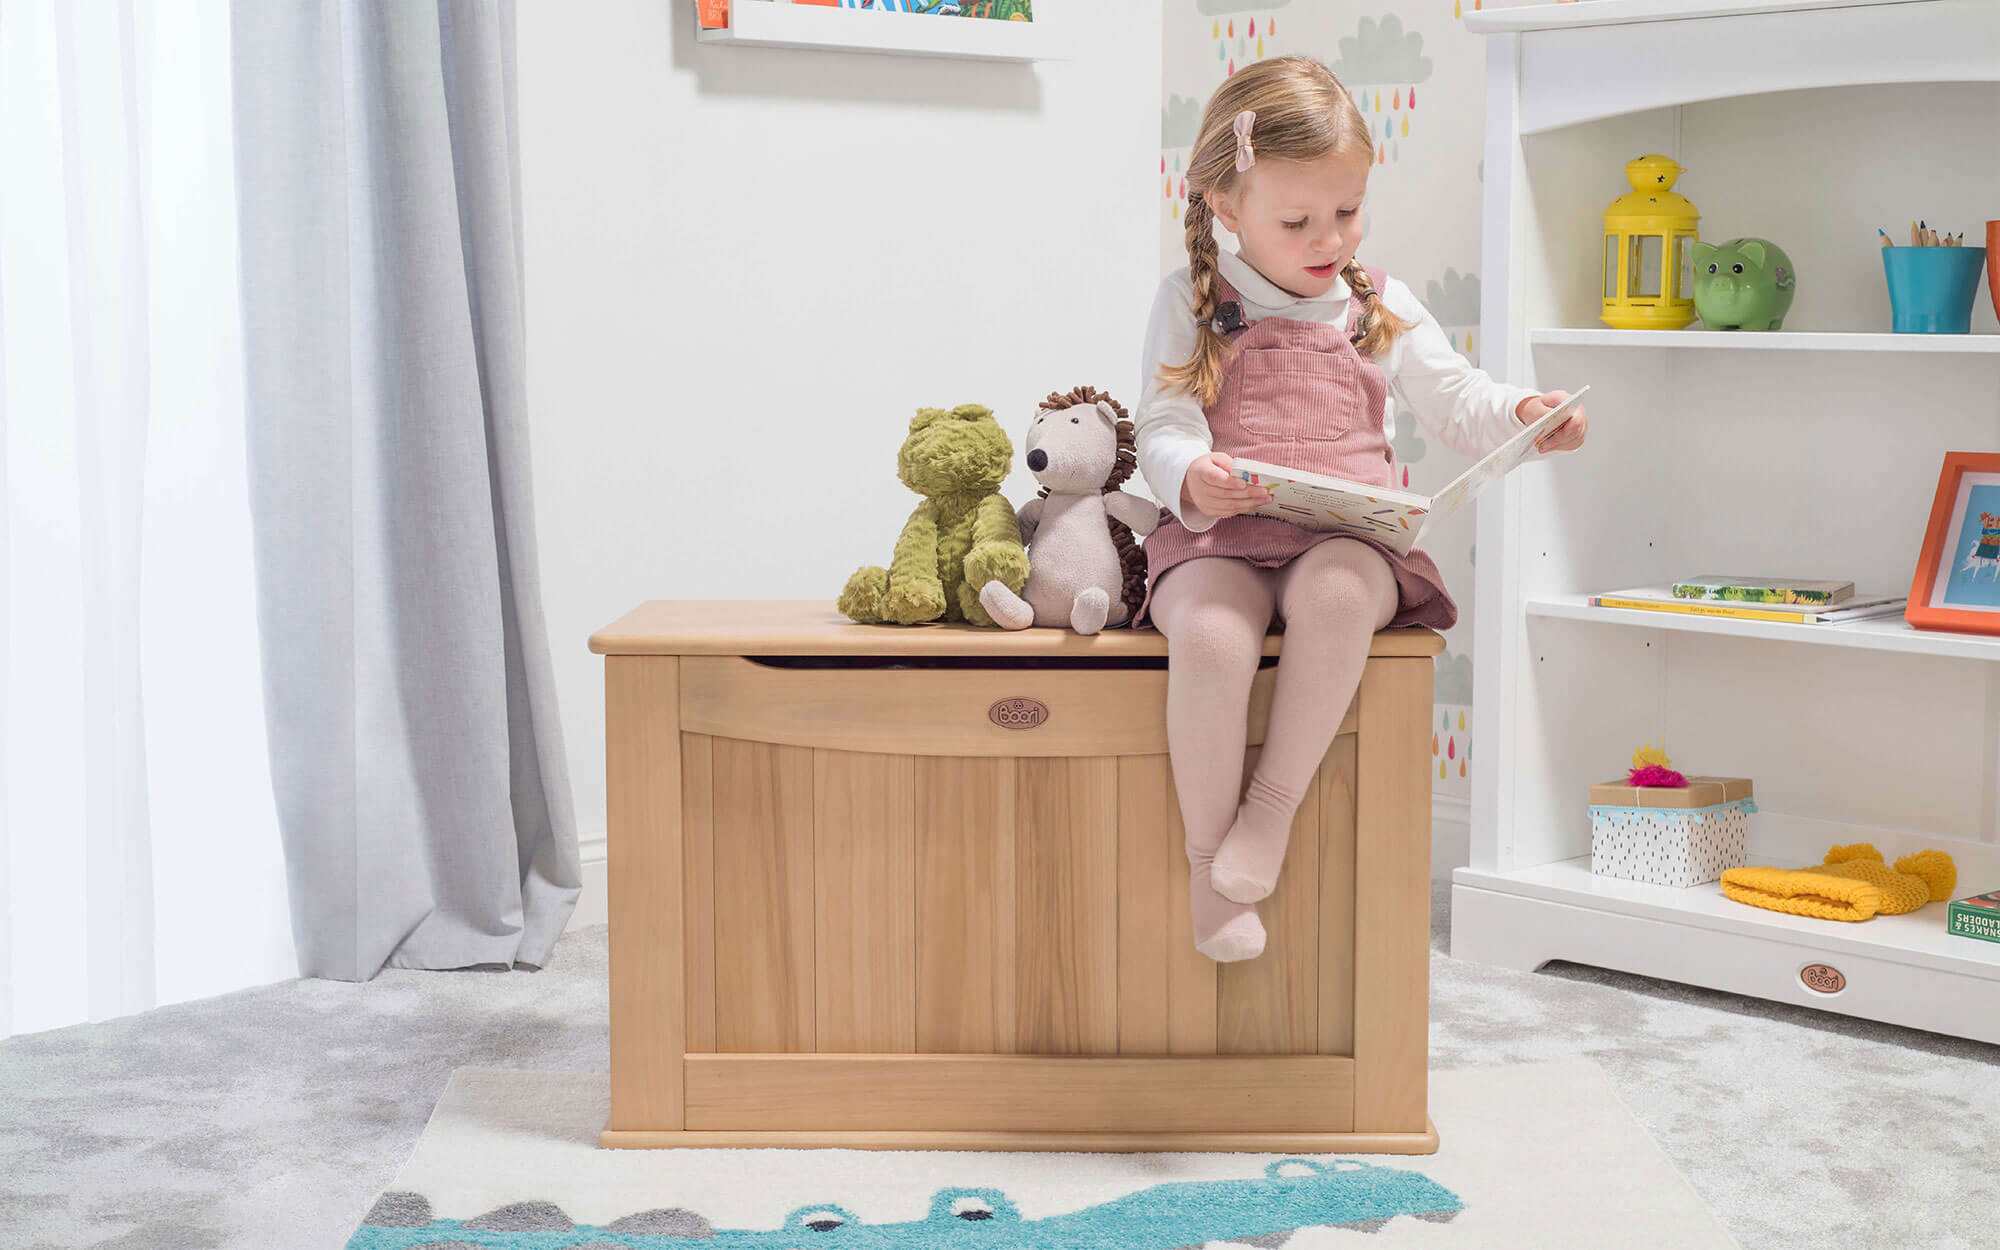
(1423, 1143)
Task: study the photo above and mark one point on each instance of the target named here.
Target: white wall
(761, 261)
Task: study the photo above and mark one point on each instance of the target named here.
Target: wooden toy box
(924, 888)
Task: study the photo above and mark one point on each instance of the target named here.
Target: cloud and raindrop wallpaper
(1419, 78)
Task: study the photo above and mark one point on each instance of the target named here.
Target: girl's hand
(1566, 437)
(1209, 487)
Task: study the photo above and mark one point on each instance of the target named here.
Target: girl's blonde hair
(1302, 114)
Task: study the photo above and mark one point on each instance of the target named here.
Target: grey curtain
(415, 747)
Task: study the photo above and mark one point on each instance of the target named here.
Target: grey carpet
(273, 1117)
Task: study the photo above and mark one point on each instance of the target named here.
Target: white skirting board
(1450, 838)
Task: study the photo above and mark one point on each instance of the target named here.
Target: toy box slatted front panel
(927, 888)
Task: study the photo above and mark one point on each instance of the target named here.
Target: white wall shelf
(1772, 341)
(1889, 633)
(1809, 452)
(763, 23)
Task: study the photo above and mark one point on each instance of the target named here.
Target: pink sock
(1334, 597)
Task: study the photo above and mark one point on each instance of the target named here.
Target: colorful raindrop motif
(1397, 103)
(1444, 722)
(1232, 69)
(1441, 767)
(1183, 188)
(1270, 25)
(1406, 477)
(1461, 725)
(1232, 28)
(1406, 125)
(1413, 97)
(1451, 748)
(1163, 162)
(1260, 49)
(1461, 768)
(1221, 51)
(1456, 11)
(1177, 162)
(1253, 28)
(1434, 744)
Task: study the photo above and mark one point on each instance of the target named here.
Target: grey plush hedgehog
(1085, 570)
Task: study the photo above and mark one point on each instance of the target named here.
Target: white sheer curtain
(140, 862)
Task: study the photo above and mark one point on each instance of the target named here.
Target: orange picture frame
(1942, 540)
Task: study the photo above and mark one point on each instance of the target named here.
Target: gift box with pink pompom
(1682, 834)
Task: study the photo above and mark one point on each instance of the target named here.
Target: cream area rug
(1532, 1156)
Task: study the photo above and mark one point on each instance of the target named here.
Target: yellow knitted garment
(1853, 884)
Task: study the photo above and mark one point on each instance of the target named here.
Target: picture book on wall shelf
(1394, 518)
(1668, 599)
(1763, 589)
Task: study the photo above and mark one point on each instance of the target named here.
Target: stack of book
(1793, 600)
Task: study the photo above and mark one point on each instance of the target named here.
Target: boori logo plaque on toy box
(1822, 978)
(1018, 713)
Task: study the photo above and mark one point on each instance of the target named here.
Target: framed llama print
(1957, 582)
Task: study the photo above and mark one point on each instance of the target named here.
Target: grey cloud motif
(1453, 681)
(1409, 444)
(1217, 7)
(1454, 301)
(1382, 53)
(1180, 122)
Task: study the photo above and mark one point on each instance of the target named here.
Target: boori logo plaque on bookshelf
(1019, 712)
(1822, 978)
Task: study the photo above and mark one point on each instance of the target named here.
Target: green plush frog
(963, 535)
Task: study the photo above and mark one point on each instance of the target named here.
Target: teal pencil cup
(1931, 289)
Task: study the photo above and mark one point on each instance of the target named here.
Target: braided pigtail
(1379, 327)
(1201, 375)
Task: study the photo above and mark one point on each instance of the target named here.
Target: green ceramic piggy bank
(1744, 284)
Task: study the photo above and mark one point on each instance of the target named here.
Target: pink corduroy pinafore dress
(1300, 394)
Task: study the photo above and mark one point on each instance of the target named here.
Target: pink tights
(1215, 611)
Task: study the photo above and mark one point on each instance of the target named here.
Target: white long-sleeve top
(1463, 406)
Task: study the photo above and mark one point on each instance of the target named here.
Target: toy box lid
(814, 627)
(1698, 792)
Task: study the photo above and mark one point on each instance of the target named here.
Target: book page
(1332, 505)
(1502, 460)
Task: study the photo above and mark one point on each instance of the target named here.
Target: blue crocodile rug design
(1540, 1155)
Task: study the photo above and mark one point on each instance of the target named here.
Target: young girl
(1285, 351)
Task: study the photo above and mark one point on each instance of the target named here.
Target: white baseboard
(593, 906)
(1451, 841)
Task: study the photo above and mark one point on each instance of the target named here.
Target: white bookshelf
(1810, 452)
(771, 24)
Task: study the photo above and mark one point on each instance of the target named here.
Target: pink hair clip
(1245, 155)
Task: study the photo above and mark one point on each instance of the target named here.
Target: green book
(1975, 917)
(1762, 590)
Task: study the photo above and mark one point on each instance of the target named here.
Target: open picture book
(1395, 518)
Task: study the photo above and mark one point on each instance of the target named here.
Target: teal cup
(1931, 289)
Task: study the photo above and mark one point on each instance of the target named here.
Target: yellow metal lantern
(1649, 238)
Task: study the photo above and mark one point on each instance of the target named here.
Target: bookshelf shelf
(1799, 453)
(1889, 633)
(1772, 341)
(768, 24)
(1624, 12)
